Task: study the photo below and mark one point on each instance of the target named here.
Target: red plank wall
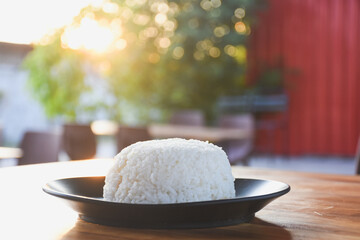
(321, 39)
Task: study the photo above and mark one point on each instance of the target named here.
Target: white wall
(18, 110)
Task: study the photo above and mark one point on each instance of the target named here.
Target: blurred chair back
(1, 136)
(79, 142)
(188, 117)
(127, 135)
(245, 121)
(40, 147)
(357, 158)
(238, 151)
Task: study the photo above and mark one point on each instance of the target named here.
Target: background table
(212, 134)
(10, 152)
(318, 207)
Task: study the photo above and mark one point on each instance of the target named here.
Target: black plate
(84, 195)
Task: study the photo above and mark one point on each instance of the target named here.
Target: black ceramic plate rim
(46, 188)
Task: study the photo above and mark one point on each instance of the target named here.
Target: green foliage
(178, 54)
(271, 78)
(56, 79)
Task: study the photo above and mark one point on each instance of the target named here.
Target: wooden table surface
(318, 207)
(212, 134)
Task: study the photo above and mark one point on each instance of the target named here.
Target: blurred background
(275, 83)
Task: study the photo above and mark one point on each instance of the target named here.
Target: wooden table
(10, 152)
(212, 134)
(318, 207)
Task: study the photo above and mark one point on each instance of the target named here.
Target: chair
(272, 115)
(79, 142)
(188, 117)
(357, 159)
(40, 147)
(128, 135)
(1, 136)
(238, 150)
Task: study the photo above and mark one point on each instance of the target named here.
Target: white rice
(169, 171)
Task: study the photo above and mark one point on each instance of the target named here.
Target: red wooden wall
(321, 39)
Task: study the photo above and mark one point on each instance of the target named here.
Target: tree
(161, 55)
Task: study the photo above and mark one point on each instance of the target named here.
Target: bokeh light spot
(240, 27)
(173, 8)
(206, 5)
(141, 19)
(221, 31)
(239, 13)
(151, 32)
(169, 25)
(160, 18)
(110, 7)
(164, 42)
(162, 8)
(214, 52)
(198, 55)
(204, 45)
(215, 3)
(121, 44)
(126, 13)
(178, 53)
(230, 50)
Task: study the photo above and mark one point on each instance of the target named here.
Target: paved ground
(320, 164)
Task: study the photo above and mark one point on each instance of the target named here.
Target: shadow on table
(257, 229)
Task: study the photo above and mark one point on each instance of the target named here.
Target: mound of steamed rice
(169, 171)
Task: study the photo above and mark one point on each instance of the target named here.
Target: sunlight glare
(27, 22)
(110, 7)
(89, 35)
